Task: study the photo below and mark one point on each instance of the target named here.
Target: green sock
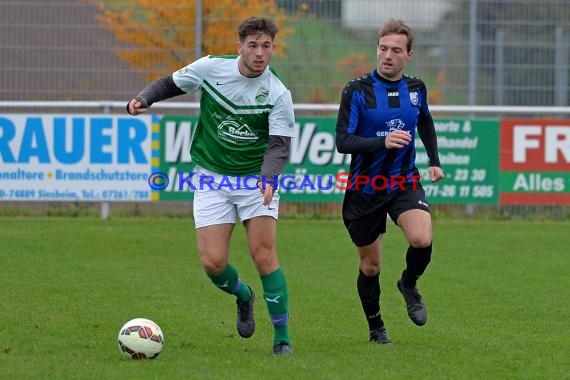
(276, 298)
(229, 281)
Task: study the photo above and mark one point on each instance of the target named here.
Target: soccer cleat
(416, 308)
(282, 349)
(380, 336)
(245, 322)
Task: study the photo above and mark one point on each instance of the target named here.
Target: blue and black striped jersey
(372, 107)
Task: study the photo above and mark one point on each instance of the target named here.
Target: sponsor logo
(224, 285)
(374, 315)
(273, 300)
(395, 125)
(235, 133)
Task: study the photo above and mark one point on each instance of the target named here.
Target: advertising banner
(535, 162)
(468, 153)
(309, 176)
(146, 158)
(173, 176)
(74, 158)
(315, 165)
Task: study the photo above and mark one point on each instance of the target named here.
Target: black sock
(369, 293)
(417, 260)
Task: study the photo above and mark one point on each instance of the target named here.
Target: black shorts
(364, 215)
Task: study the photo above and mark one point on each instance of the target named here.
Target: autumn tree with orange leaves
(159, 36)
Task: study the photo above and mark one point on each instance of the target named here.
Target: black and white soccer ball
(140, 338)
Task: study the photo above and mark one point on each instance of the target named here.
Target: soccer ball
(140, 338)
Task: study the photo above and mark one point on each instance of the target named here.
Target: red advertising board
(535, 161)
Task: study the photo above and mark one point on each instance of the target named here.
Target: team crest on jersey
(235, 133)
(261, 96)
(414, 98)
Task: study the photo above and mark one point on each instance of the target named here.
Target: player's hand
(135, 107)
(267, 191)
(397, 139)
(435, 173)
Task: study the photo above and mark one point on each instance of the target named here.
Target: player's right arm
(160, 89)
(183, 81)
(347, 122)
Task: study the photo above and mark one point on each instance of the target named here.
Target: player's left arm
(426, 131)
(281, 130)
(274, 162)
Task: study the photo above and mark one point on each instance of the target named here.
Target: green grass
(497, 295)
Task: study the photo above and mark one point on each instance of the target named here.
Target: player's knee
(266, 262)
(370, 269)
(420, 241)
(213, 266)
(370, 266)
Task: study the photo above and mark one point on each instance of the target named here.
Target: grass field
(497, 295)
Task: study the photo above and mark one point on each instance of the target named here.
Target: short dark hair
(257, 25)
(393, 26)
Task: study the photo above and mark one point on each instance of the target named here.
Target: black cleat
(416, 308)
(380, 336)
(282, 349)
(245, 322)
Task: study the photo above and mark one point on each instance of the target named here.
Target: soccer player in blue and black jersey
(377, 122)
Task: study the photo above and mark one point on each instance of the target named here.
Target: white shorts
(220, 199)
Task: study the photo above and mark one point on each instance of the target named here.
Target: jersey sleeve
(347, 139)
(282, 116)
(190, 77)
(347, 119)
(426, 130)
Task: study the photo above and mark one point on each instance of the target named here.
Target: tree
(159, 36)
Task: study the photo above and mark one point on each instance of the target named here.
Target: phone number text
(88, 195)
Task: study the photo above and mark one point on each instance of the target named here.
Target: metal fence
(469, 52)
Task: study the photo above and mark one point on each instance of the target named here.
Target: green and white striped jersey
(237, 114)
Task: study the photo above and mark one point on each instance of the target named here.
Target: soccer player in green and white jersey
(244, 129)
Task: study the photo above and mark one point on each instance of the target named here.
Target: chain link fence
(469, 52)
(472, 52)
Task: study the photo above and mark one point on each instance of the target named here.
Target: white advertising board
(51, 157)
